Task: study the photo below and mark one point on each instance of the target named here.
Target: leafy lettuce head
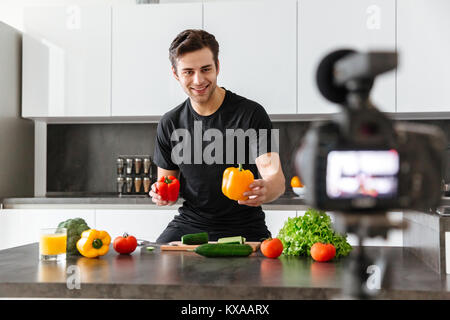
(300, 233)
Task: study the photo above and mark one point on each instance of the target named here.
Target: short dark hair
(192, 40)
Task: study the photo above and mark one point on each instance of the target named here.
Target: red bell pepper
(168, 187)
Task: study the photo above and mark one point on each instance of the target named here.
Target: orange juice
(52, 244)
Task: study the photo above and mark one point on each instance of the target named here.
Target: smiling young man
(195, 64)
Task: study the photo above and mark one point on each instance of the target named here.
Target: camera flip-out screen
(362, 173)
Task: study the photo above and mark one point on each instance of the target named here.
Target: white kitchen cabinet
(143, 224)
(142, 79)
(328, 25)
(423, 77)
(67, 61)
(22, 226)
(257, 50)
(275, 220)
(9, 227)
(394, 237)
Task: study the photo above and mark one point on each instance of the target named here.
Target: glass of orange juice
(52, 244)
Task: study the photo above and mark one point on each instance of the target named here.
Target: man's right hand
(156, 198)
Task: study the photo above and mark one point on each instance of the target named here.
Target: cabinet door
(423, 78)
(67, 61)
(143, 224)
(394, 237)
(257, 50)
(22, 226)
(328, 25)
(275, 220)
(9, 228)
(142, 79)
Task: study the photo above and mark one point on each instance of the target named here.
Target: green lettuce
(300, 233)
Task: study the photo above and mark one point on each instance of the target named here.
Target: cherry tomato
(272, 248)
(323, 252)
(125, 244)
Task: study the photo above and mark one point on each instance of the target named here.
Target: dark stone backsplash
(81, 157)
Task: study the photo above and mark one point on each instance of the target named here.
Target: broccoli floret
(74, 229)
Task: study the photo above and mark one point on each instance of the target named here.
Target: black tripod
(364, 275)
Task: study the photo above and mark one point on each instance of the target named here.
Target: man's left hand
(257, 194)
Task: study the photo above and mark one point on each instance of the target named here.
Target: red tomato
(272, 248)
(125, 244)
(323, 252)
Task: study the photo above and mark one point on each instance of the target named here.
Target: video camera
(361, 160)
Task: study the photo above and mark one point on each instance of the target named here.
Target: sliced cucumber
(195, 238)
(232, 240)
(224, 250)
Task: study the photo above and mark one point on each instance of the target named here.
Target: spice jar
(137, 184)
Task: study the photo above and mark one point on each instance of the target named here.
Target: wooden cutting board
(178, 246)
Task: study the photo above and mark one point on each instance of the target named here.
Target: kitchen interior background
(82, 157)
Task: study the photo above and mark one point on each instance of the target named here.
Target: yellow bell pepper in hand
(235, 182)
(94, 243)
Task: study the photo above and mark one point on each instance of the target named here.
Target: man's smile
(200, 90)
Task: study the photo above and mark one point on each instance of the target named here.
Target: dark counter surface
(186, 275)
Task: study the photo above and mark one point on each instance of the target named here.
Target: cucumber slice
(232, 240)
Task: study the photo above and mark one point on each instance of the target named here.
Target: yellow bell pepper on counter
(235, 182)
(93, 243)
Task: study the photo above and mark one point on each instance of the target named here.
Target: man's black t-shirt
(205, 207)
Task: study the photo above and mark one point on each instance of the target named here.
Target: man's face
(197, 74)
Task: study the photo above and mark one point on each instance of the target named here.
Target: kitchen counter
(288, 202)
(113, 201)
(186, 275)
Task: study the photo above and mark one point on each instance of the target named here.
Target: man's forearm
(165, 172)
(269, 167)
(275, 188)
